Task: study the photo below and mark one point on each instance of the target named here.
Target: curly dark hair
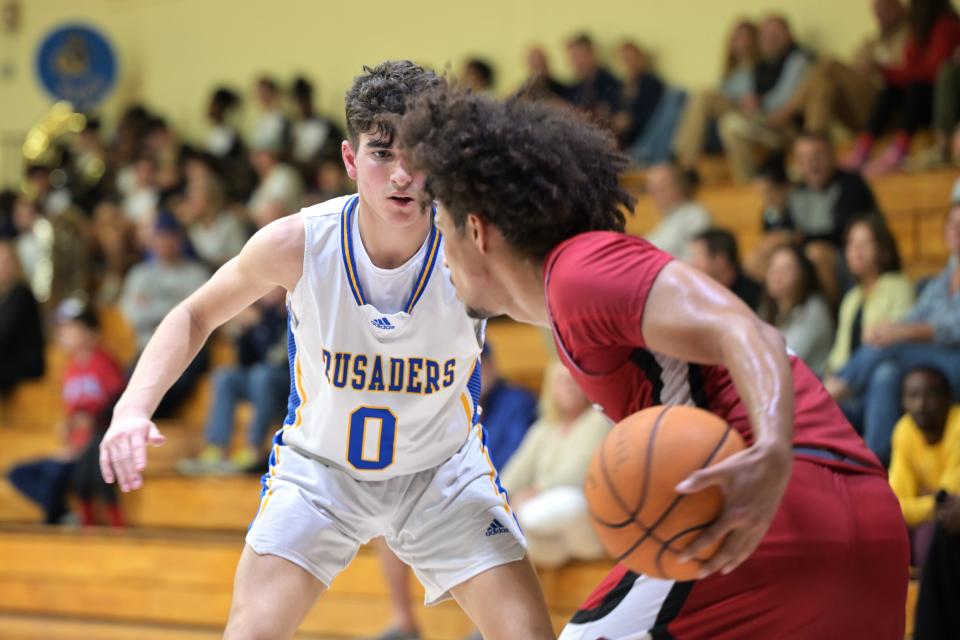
(380, 95)
(536, 171)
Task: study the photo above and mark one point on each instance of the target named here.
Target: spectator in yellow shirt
(925, 475)
(926, 445)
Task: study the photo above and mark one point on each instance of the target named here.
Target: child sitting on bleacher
(92, 383)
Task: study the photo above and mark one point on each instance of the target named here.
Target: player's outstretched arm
(698, 320)
(273, 257)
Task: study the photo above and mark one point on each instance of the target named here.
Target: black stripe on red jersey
(670, 609)
(698, 390)
(652, 369)
(610, 600)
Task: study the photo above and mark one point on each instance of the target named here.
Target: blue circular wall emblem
(77, 64)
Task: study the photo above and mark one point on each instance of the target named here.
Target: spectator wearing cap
(92, 383)
(21, 335)
(715, 253)
(154, 287)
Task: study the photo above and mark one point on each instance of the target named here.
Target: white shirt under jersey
(384, 362)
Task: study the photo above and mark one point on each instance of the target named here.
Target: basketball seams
(649, 532)
(611, 487)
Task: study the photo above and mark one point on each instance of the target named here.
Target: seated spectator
(882, 294)
(314, 136)
(540, 83)
(642, 91)
(161, 143)
(822, 205)
(545, 476)
(837, 92)
(794, 305)
(925, 476)
(681, 217)
(868, 386)
(21, 328)
(508, 411)
(226, 145)
(114, 250)
(215, 231)
(153, 288)
(773, 186)
(704, 109)
(272, 128)
(777, 76)
(331, 181)
(907, 97)
(141, 200)
(477, 75)
(715, 253)
(946, 112)
(261, 376)
(92, 383)
(595, 90)
(279, 191)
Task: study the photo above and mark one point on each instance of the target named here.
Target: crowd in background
(138, 218)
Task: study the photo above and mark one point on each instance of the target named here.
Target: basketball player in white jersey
(382, 437)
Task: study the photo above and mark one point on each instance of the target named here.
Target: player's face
(469, 271)
(925, 401)
(386, 185)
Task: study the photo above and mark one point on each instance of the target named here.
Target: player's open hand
(753, 483)
(123, 451)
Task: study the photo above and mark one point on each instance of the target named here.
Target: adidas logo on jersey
(382, 323)
(495, 528)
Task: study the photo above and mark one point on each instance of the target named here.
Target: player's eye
(381, 154)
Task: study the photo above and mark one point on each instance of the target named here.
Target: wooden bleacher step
(152, 578)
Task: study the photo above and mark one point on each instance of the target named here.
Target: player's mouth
(402, 201)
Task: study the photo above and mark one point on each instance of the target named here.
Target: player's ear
(349, 155)
(478, 232)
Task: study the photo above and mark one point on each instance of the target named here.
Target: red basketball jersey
(597, 285)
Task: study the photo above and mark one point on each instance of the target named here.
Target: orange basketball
(638, 515)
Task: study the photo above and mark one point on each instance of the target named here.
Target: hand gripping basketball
(123, 451)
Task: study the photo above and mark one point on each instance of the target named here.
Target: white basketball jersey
(378, 395)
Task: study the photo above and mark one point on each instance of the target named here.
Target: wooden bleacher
(184, 581)
(169, 574)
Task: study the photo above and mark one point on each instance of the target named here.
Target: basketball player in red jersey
(814, 545)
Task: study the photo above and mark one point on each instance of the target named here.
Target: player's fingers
(724, 556)
(700, 480)
(105, 469)
(124, 463)
(709, 537)
(740, 550)
(155, 438)
(138, 446)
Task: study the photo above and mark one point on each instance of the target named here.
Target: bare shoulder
(275, 252)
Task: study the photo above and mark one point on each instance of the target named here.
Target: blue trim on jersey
(433, 250)
(350, 263)
(346, 241)
(473, 387)
(293, 403)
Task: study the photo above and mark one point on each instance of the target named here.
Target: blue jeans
(46, 482)
(655, 144)
(875, 376)
(264, 385)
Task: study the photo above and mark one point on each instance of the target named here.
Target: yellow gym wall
(171, 52)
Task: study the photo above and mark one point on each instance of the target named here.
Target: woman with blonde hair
(545, 476)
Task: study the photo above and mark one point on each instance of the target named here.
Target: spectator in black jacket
(595, 89)
(641, 93)
(21, 335)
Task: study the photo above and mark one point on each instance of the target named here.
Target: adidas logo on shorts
(382, 323)
(495, 528)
